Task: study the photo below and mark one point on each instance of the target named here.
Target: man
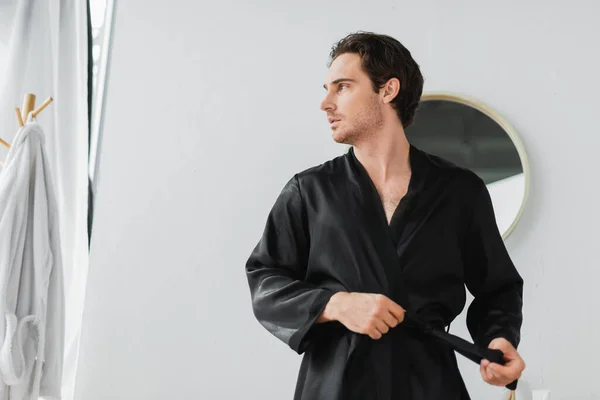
(354, 244)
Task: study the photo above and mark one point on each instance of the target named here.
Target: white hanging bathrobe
(31, 276)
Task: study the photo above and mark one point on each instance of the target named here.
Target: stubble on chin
(363, 129)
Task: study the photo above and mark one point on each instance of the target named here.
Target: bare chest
(391, 194)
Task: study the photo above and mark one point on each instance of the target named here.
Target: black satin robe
(327, 232)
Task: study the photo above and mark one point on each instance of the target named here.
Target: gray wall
(213, 106)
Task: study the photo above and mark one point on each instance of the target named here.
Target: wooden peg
(4, 143)
(19, 117)
(28, 105)
(40, 108)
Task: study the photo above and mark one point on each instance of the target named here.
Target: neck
(385, 155)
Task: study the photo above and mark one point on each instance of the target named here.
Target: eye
(342, 85)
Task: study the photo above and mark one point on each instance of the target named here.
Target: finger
(381, 326)
(483, 373)
(501, 378)
(490, 374)
(510, 354)
(397, 311)
(510, 371)
(499, 372)
(486, 375)
(390, 320)
(505, 346)
(494, 379)
(374, 334)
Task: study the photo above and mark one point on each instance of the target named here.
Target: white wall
(7, 11)
(212, 106)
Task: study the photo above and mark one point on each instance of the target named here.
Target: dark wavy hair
(383, 58)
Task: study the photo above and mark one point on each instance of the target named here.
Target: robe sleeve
(282, 301)
(51, 380)
(491, 277)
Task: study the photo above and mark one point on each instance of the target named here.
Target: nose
(327, 104)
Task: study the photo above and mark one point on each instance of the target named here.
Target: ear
(390, 90)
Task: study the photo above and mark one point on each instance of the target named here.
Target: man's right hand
(366, 313)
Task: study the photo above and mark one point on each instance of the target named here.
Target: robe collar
(419, 165)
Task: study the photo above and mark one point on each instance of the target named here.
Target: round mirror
(472, 135)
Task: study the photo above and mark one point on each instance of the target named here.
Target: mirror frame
(506, 126)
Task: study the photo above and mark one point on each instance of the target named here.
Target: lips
(332, 120)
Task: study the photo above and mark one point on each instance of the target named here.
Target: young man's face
(350, 101)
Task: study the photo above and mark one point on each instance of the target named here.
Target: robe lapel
(388, 237)
(368, 215)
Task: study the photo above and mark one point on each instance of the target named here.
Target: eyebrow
(338, 81)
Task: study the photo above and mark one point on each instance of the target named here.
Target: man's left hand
(502, 375)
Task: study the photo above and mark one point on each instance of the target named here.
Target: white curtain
(47, 56)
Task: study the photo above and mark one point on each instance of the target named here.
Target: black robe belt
(469, 350)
